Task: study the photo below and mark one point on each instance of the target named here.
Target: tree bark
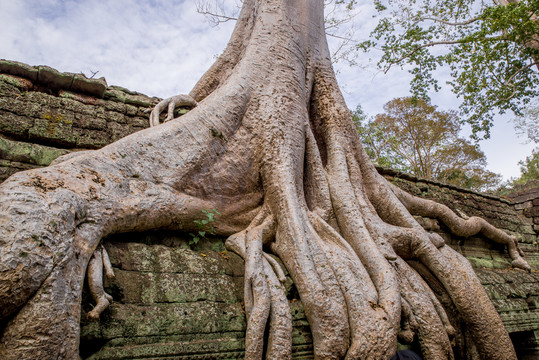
(272, 146)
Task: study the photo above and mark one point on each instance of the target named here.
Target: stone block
(202, 346)
(159, 258)
(526, 196)
(14, 125)
(529, 238)
(93, 87)
(524, 205)
(118, 131)
(114, 106)
(140, 122)
(140, 100)
(91, 122)
(20, 83)
(53, 103)
(17, 166)
(25, 108)
(53, 129)
(6, 171)
(8, 168)
(131, 110)
(157, 288)
(37, 97)
(114, 94)
(18, 69)
(130, 320)
(9, 90)
(78, 103)
(6, 103)
(91, 139)
(120, 94)
(117, 117)
(54, 79)
(29, 153)
(526, 229)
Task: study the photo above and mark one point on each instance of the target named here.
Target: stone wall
(45, 114)
(173, 300)
(514, 293)
(526, 200)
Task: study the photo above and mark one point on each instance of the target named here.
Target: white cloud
(154, 47)
(162, 47)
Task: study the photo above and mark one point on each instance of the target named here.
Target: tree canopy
(529, 173)
(490, 49)
(528, 123)
(415, 137)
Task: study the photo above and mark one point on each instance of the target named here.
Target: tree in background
(529, 175)
(415, 137)
(529, 168)
(528, 123)
(491, 50)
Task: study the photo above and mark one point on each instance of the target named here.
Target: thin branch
(435, 43)
(223, 18)
(336, 23)
(347, 39)
(464, 23)
(215, 15)
(407, 55)
(519, 71)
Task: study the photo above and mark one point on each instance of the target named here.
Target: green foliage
(529, 168)
(204, 226)
(529, 173)
(528, 123)
(377, 142)
(492, 51)
(415, 137)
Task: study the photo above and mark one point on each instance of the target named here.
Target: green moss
(29, 153)
(13, 81)
(481, 262)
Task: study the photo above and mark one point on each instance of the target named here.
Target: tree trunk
(272, 146)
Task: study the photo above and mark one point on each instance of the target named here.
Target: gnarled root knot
(99, 261)
(170, 103)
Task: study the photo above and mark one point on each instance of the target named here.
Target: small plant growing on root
(204, 226)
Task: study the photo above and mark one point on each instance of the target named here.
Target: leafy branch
(205, 226)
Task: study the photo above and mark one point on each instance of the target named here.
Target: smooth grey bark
(272, 146)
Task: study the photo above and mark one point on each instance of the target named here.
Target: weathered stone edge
(79, 83)
(409, 177)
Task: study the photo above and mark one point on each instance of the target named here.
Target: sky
(162, 47)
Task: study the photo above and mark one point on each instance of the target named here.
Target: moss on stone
(29, 153)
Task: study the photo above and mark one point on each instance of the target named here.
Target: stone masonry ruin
(172, 300)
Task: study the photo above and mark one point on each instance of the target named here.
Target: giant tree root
(99, 261)
(271, 145)
(462, 227)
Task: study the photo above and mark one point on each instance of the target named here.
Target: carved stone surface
(174, 301)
